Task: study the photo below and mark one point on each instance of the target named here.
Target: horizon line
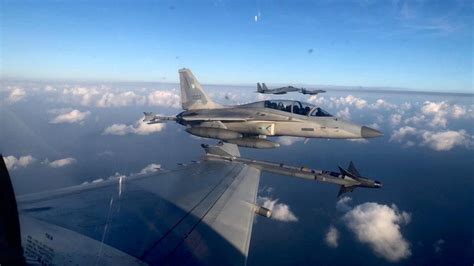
(360, 88)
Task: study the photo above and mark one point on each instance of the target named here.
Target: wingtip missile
(360, 181)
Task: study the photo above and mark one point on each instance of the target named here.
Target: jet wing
(201, 214)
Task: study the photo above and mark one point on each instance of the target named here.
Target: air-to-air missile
(348, 179)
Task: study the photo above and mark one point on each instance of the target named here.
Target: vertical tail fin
(192, 94)
(259, 88)
(264, 86)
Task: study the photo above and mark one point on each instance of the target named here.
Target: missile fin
(345, 189)
(352, 169)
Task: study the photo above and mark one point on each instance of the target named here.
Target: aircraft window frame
(319, 112)
(288, 106)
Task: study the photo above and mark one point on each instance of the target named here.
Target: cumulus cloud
(344, 114)
(406, 106)
(49, 88)
(13, 163)
(437, 114)
(440, 111)
(350, 100)
(438, 245)
(280, 211)
(382, 104)
(438, 141)
(317, 100)
(416, 119)
(458, 111)
(127, 98)
(16, 94)
(106, 97)
(74, 116)
(151, 168)
(62, 162)
(139, 127)
(343, 204)
(446, 140)
(83, 95)
(332, 237)
(374, 125)
(164, 98)
(434, 108)
(395, 119)
(399, 134)
(378, 225)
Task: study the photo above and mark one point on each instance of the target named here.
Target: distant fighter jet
(311, 92)
(283, 90)
(249, 125)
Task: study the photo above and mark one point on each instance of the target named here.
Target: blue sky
(416, 45)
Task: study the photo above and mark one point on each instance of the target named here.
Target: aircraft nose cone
(367, 132)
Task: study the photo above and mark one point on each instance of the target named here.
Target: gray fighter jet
(198, 214)
(311, 92)
(249, 125)
(282, 90)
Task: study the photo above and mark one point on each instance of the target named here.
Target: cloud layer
(438, 141)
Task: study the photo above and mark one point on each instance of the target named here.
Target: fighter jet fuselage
(311, 92)
(256, 119)
(278, 91)
(249, 125)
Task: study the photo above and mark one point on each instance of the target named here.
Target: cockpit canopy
(289, 106)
